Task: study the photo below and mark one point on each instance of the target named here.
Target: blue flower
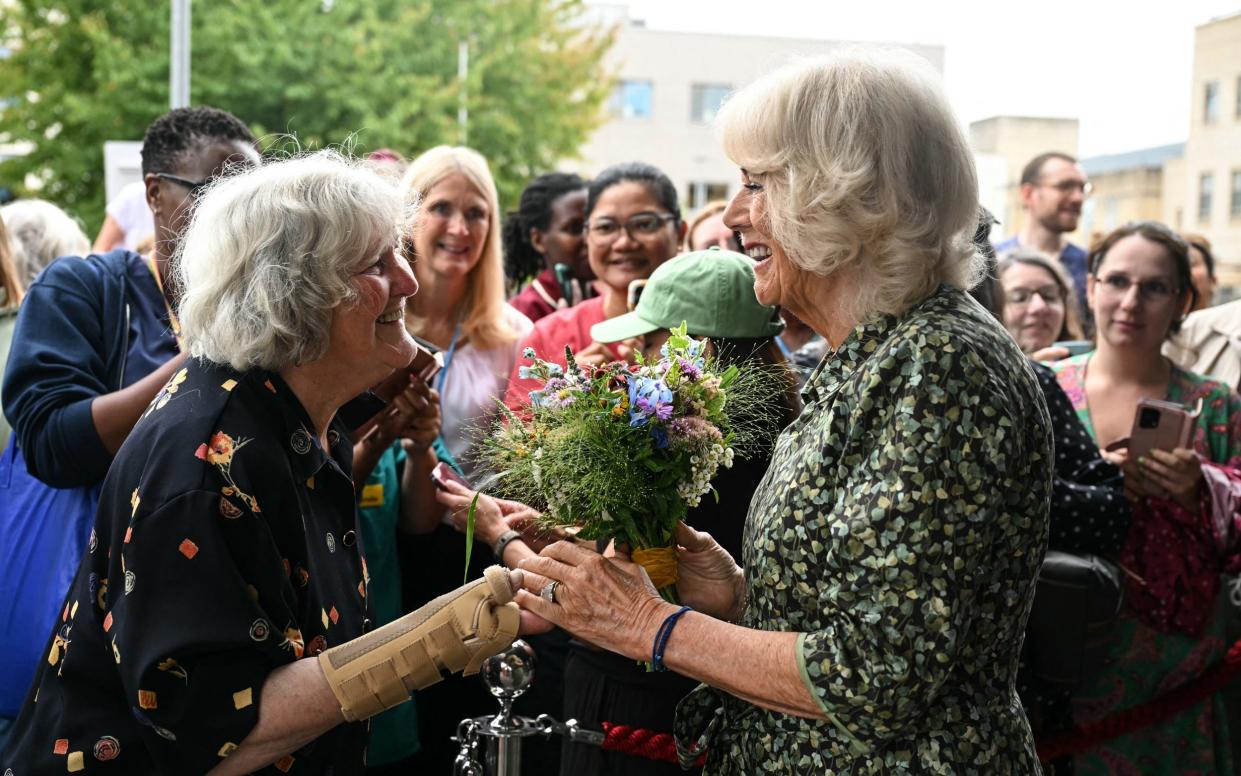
(525, 373)
(528, 352)
(660, 435)
(648, 398)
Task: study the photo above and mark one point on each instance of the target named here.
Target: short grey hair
(269, 255)
(41, 233)
(863, 166)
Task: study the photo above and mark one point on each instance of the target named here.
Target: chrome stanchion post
(491, 746)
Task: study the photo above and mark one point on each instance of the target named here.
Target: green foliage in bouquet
(623, 451)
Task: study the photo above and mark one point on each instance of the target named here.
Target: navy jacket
(78, 325)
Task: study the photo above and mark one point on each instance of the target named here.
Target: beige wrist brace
(455, 632)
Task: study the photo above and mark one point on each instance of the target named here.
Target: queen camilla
(891, 550)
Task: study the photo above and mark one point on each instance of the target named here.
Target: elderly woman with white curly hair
(225, 546)
(890, 552)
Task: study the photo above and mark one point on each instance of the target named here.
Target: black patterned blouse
(224, 547)
(899, 531)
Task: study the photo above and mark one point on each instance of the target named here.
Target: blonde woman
(455, 247)
(10, 298)
(461, 310)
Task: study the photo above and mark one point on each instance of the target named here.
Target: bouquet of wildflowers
(622, 451)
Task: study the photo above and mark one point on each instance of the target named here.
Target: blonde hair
(482, 309)
(41, 233)
(10, 281)
(712, 208)
(269, 255)
(863, 166)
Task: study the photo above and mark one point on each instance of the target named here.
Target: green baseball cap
(712, 291)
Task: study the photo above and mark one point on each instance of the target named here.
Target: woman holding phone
(1186, 504)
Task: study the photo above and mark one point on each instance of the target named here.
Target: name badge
(372, 495)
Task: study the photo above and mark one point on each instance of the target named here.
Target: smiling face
(620, 258)
(367, 337)
(1033, 306)
(1139, 316)
(1056, 200)
(776, 278)
(453, 224)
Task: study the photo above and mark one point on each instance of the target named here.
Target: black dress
(606, 687)
(223, 548)
(1089, 515)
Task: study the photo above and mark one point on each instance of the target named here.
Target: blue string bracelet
(661, 639)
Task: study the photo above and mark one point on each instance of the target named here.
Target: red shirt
(550, 336)
(541, 298)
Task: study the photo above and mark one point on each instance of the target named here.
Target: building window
(705, 101)
(1234, 204)
(1111, 213)
(700, 193)
(1210, 103)
(632, 100)
(1206, 186)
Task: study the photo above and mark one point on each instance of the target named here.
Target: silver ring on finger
(548, 593)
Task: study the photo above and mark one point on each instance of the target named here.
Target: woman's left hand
(1176, 475)
(488, 519)
(605, 601)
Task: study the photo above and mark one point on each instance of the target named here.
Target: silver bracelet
(502, 542)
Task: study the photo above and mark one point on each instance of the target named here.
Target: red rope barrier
(642, 743)
(1145, 714)
(662, 746)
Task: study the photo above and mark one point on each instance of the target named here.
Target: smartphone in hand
(443, 473)
(1075, 347)
(1159, 425)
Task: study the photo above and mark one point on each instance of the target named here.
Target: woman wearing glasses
(95, 341)
(633, 225)
(1186, 505)
(1039, 306)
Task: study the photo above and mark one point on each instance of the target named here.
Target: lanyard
(452, 348)
(172, 316)
(788, 354)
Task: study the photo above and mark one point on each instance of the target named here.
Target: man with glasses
(1053, 190)
(96, 340)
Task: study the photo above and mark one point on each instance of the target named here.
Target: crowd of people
(221, 461)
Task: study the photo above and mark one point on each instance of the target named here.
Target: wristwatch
(502, 542)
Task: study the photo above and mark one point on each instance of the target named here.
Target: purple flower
(690, 369)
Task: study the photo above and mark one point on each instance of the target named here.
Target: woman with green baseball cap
(711, 291)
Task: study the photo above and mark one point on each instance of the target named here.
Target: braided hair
(175, 133)
(521, 260)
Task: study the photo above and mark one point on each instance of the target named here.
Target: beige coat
(1209, 343)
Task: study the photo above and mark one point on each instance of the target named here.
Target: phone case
(1175, 424)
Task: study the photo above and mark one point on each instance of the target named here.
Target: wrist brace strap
(455, 632)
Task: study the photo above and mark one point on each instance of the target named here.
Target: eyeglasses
(195, 187)
(1148, 290)
(1049, 294)
(1069, 186)
(606, 230)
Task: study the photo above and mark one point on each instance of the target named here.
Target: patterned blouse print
(224, 547)
(899, 530)
(1170, 628)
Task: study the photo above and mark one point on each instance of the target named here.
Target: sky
(1123, 69)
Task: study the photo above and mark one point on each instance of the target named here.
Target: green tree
(364, 73)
